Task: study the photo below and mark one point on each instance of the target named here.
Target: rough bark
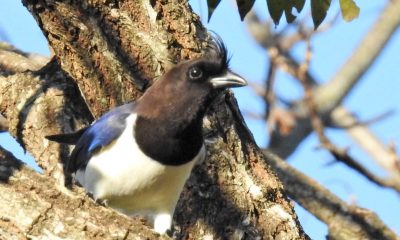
(108, 51)
(33, 207)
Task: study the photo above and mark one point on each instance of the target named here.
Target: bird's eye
(195, 73)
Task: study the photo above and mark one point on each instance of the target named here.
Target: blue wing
(101, 133)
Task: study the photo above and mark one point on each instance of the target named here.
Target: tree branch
(331, 94)
(37, 207)
(318, 126)
(343, 220)
(285, 144)
(13, 60)
(232, 195)
(369, 142)
(34, 104)
(113, 51)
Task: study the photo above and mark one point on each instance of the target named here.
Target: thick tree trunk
(109, 51)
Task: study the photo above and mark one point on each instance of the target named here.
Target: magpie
(137, 157)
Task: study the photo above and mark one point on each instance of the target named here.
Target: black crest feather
(219, 50)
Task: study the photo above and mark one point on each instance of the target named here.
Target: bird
(138, 156)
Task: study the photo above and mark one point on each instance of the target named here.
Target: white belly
(132, 182)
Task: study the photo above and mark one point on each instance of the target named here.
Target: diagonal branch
(331, 94)
(343, 220)
(318, 126)
(344, 157)
(369, 142)
(284, 145)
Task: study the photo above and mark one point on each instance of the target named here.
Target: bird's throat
(169, 141)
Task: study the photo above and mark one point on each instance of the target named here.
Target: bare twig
(285, 145)
(316, 121)
(318, 126)
(342, 155)
(313, 197)
(343, 220)
(269, 89)
(286, 42)
(330, 95)
(356, 122)
(253, 115)
(282, 120)
(382, 155)
(258, 89)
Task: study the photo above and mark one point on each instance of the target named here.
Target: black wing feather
(93, 138)
(67, 138)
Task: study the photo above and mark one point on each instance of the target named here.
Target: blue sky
(376, 93)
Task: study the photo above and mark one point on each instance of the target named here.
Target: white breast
(132, 182)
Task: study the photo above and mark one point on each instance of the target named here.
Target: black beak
(228, 80)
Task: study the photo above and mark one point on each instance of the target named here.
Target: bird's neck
(174, 138)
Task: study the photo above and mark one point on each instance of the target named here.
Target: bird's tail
(67, 138)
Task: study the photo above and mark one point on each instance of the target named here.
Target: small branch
(34, 104)
(269, 90)
(318, 126)
(330, 95)
(258, 89)
(285, 145)
(365, 123)
(281, 120)
(382, 155)
(316, 121)
(284, 40)
(343, 156)
(253, 115)
(343, 220)
(13, 60)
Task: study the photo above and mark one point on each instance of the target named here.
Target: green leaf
(212, 5)
(288, 14)
(319, 8)
(349, 10)
(275, 8)
(288, 6)
(244, 7)
(298, 4)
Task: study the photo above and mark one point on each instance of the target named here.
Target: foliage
(276, 8)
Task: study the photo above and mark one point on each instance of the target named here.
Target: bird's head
(192, 85)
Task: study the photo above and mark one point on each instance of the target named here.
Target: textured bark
(108, 51)
(34, 103)
(32, 206)
(33, 93)
(212, 205)
(112, 49)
